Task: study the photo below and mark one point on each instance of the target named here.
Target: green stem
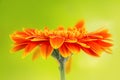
(62, 70)
(61, 61)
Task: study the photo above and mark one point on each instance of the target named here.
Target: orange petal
(103, 43)
(83, 44)
(89, 51)
(80, 24)
(20, 34)
(45, 49)
(64, 51)
(39, 39)
(107, 50)
(56, 41)
(36, 54)
(21, 41)
(102, 32)
(95, 47)
(68, 65)
(29, 31)
(17, 39)
(19, 47)
(29, 48)
(88, 39)
(105, 46)
(95, 36)
(60, 28)
(71, 40)
(74, 48)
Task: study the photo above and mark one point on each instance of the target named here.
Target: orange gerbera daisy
(65, 41)
(61, 43)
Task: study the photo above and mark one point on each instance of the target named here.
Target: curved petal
(56, 41)
(80, 24)
(60, 28)
(71, 40)
(29, 31)
(94, 36)
(74, 48)
(36, 54)
(20, 34)
(108, 50)
(19, 47)
(95, 47)
(89, 51)
(18, 39)
(103, 43)
(101, 33)
(83, 44)
(64, 51)
(45, 49)
(105, 46)
(68, 65)
(29, 48)
(39, 39)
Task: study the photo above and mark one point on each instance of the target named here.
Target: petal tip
(56, 41)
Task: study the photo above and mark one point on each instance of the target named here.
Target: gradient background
(18, 14)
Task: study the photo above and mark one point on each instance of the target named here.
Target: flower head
(66, 42)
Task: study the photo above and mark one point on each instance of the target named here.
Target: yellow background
(18, 14)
